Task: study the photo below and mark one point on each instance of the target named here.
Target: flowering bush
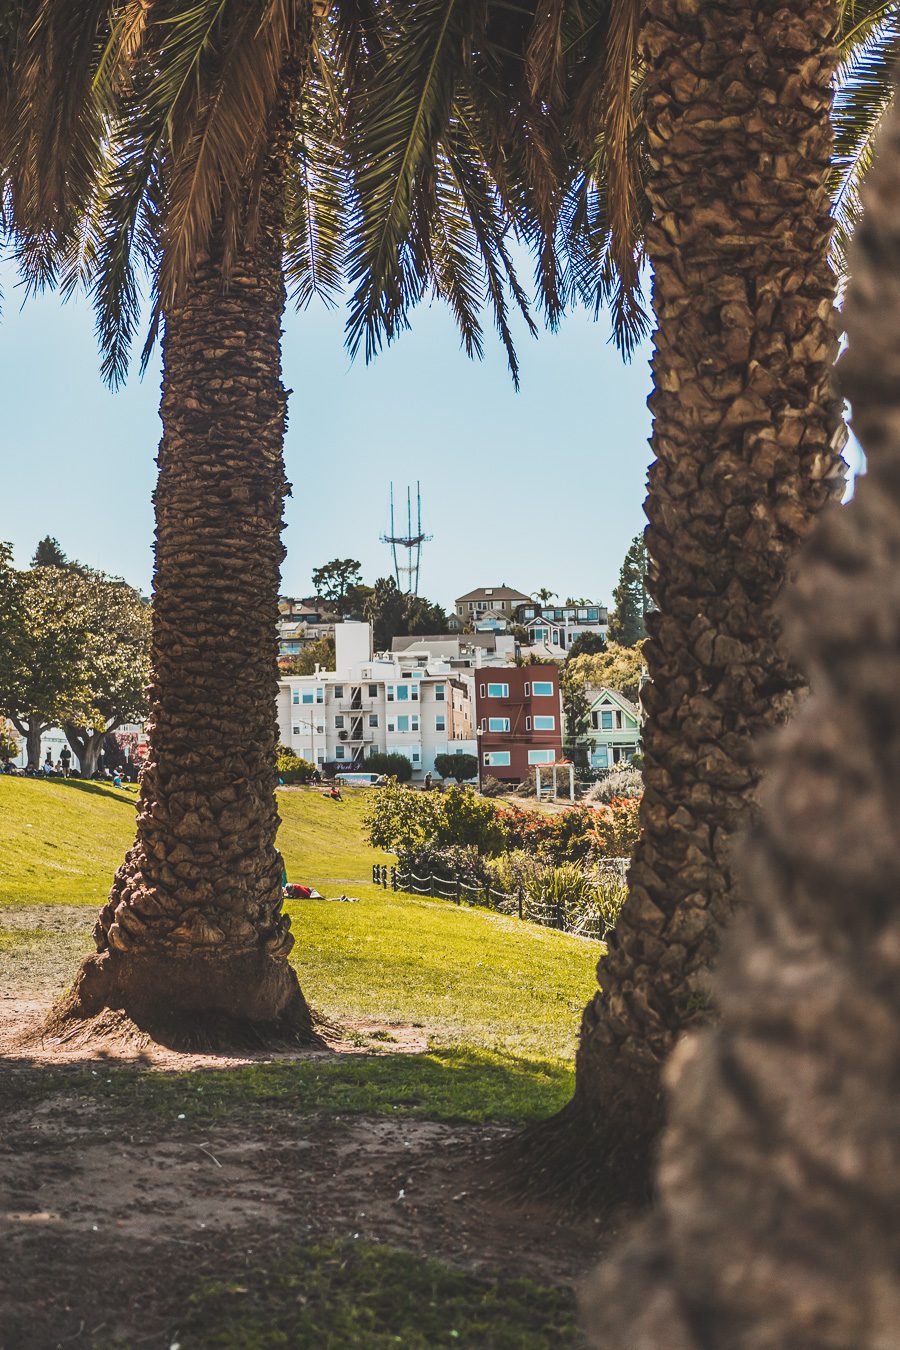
(616, 828)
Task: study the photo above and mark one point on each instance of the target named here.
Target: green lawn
(498, 1001)
(61, 841)
(340, 1295)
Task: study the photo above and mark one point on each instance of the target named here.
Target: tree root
(244, 1001)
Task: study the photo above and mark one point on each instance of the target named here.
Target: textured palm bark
(193, 934)
(746, 439)
(779, 1177)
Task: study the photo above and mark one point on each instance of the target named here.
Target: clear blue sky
(540, 488)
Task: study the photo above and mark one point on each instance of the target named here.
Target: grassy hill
(497, 1000)
(61, 841)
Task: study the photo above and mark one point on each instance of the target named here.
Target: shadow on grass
(125, 795)
(452, 1084)
(359, 1294)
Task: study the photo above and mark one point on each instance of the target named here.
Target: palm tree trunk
(746, 439)
(193, 941)
(779, 1177)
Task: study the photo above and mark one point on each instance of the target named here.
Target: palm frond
(864, 93)
(54, 128)
(400, 116)
(219, 121)
(317, 190)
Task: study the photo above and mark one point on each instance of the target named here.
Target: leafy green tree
(464, 817)
(615, 667)
(336, 581)
(319, 653)
(422, 616)
(48, 683)
(117, 667)
(461, 767)
(586, 644)
(391, 765)
(399, 820)
(630, 599)
(576, 715)
(386, 610)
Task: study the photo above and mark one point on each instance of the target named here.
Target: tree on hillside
(386, 611)
(630, 600)
(614, 667)
(576, 715)
(586, 644)
(48, 682)
(117, 664)
(335, 580)
(774, 1221)
(49, 554)
(422, 616)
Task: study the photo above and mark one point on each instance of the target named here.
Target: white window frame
(541, 756)
(497, 759)
(548, 718)
(502, 728)
(503, 687)
(542, 689)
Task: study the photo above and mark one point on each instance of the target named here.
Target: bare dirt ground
(107, 1224)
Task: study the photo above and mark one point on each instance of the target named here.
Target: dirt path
(108, 1220)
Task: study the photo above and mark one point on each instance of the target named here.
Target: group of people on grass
(105, 772)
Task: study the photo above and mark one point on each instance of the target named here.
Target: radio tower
(408, 562)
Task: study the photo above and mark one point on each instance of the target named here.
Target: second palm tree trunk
(193, 940)
(746, 436)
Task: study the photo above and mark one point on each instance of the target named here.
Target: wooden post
(458, 892)
(432, 886)
(521, 904)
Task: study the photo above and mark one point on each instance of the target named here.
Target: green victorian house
(615, 728)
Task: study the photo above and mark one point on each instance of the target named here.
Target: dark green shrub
(392, 766)
(293, 769)
(460, 766)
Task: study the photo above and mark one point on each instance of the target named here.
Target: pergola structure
(554, 771)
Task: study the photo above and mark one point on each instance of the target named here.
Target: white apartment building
(400, 704)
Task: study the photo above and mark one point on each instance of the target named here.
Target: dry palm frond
(869, 42)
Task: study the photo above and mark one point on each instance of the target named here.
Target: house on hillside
(500, 602)
(301, 622)
(615, 729)
(553, 628)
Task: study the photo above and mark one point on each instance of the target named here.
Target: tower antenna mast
(406, 549)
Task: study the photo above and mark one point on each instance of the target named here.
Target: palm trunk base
(574, 1159)
(240, 1001)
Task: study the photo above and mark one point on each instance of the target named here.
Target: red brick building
(518, 716)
